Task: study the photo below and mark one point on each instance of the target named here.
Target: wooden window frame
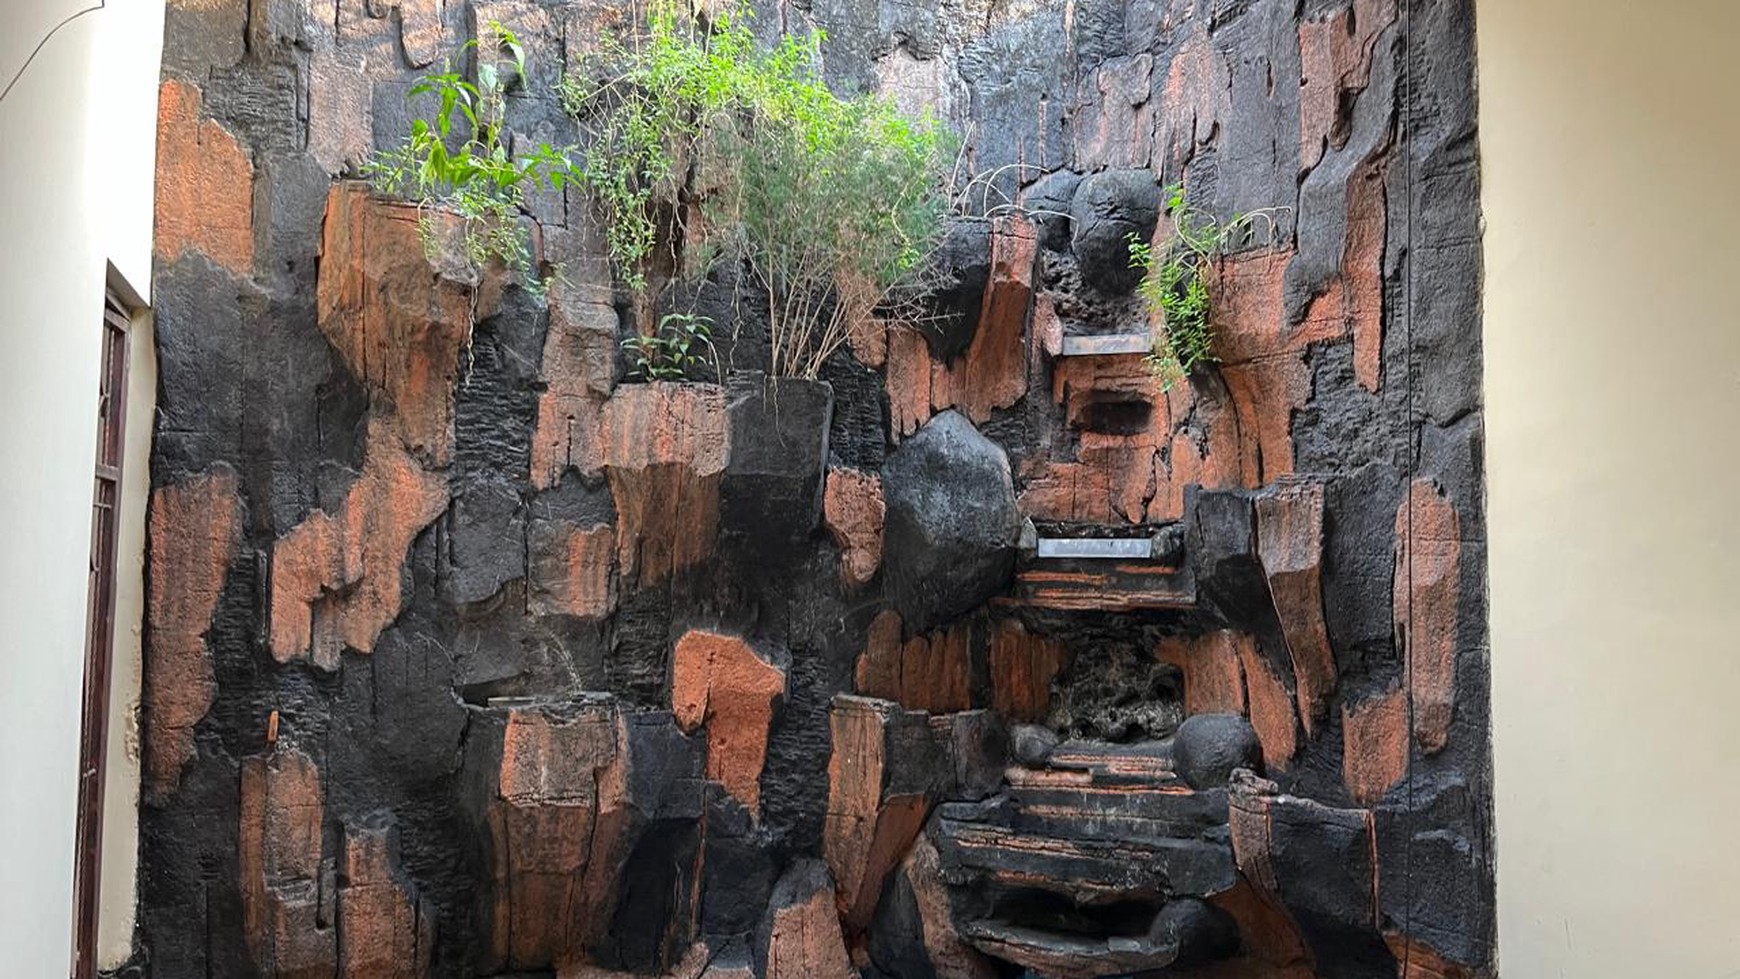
(100, 630)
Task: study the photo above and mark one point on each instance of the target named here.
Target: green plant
(644, 107)
(838, 208)
(1175, 283)
(674, 352)
(830, 203)
(456, 159)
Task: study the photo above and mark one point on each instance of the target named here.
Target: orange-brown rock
(570, 569)
(1022, 668)
(908, 379)
(1065, 491)
(1113, 124)
(1205, 449)
(556, 826)
(398, 319)
(877, 673)
(286, 886)
(930, 672)
(802, 931)
(868, 829)
(1127, 458)
(1272, 710)
(1427, 589)
(338, 579)
(1194, 99)
(1374, 737)
(1417, 960)
(578, 371)
(854, 510)
(385, 932)
(205, 184)
(994, 371)
(664, 450)
(195, 531)
(1354, 301)
(867, 336)
(951, 957)
(721, 682)
(1134, 472)
(1317, 863)
(1335, 51)
(1290, 544)
(1046, 337)
(1263, 361)
(1271, 940)
(1214, 677)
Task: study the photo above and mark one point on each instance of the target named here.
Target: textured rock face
(469, 656)
(952, 524)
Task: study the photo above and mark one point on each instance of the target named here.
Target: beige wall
(75, 196)
(1610, 135)
(118, 892)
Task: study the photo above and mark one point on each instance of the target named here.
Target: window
(99, 631)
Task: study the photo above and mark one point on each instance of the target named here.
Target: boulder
(1109, 207)
(952, 527)
(1209, 747)
(1032, 745)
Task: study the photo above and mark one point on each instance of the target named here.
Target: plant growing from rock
(831, 204)
(1175, 283)
(456, 159)
(674, 352)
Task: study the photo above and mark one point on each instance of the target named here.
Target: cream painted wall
(1610, 136)
(75, 196)
(118, 892)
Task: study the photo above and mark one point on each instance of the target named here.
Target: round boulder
(1208, 747)
(1201, 932)
(952, 528)
(1031, 745)
(1107, 209)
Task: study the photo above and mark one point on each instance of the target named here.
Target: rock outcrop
(471, 652)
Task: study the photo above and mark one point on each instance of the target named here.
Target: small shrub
(674, 352)
(1175, 285)
(456, 159)
(830, 203)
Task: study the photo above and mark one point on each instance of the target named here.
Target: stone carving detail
(470, 653)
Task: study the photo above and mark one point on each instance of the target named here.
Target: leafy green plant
(645, 107)
(1175, 285)
(674, 352)
(837, 210)
(830, 203)
(457, 160)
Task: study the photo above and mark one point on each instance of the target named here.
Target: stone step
(1117, 344)
(1088, 871)
(1095, 548)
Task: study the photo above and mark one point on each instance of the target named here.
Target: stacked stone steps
(1110, 832)
(1095, 861)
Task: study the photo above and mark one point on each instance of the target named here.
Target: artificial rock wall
(466, 656)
